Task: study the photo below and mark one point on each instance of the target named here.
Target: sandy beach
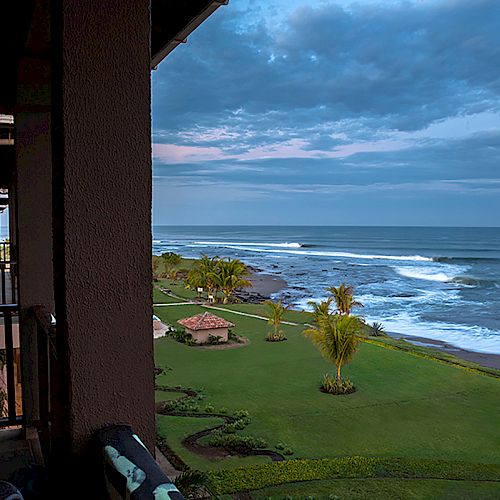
(263, 286)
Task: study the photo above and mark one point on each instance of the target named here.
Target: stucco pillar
(102, 219)
(33, 201)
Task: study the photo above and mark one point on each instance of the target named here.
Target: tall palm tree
(337, 338)
(231, 275)
(320, 309)
(344, 300)
(276, 312)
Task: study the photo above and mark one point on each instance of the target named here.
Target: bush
(185, 405)
(284, 448)
(214, 340)
(191, 481)
(331, 385)
(264, 475)
(275, 336)
(180, 335)
(236, 442)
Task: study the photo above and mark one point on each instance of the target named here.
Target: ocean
(437, 283)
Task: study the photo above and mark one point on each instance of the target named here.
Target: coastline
(488, 360)
(264, 285)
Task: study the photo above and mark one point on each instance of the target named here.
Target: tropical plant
(231, 275)
(156, 266)
(276, 312)
(204, 274)
(320, 309)
(337, 338)
(170, 261)
(190, 482)
(377, 330)
(332, 385)
(344, 300)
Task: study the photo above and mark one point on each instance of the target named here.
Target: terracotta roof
(205, 321)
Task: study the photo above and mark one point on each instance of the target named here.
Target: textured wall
(102, 214)
(33, 237)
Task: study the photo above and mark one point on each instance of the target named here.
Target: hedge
(261, 476)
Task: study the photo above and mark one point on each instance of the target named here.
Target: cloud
(364, 96)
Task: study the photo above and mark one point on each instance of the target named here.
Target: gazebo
(203, 326)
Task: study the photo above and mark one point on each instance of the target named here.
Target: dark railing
(8, 402)
(46, 374)
(8, 274)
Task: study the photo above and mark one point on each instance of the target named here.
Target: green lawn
(405, 406)
(369, 489)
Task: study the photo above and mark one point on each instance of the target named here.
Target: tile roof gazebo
(203, 326)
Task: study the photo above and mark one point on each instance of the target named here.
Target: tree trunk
(338, 373)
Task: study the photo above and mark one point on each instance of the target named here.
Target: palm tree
(320, 309)
(276, 312)
(203, 274)
(377, 329)
(156, 266)
(337, 338)
(344, 300)
(231, 275)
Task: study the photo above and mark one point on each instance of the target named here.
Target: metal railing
(8, 402)
(8, 274)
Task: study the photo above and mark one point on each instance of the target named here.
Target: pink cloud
(295, 148)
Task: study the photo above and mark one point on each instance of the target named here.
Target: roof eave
(182, 35)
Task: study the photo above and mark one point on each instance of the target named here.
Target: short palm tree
(320, 309)
(344, 300)
(276, 312)
(337, 338)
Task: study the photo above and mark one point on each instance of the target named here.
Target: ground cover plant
(407, 404)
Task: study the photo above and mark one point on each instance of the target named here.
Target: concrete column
(33, 238)
(102, 219)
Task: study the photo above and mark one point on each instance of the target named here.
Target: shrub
(180, 335)
(331, 385)
(275, 336)
(185, 405)
(272, 474)
(236, 442)
(284, 448)
(191, 481)
(214, 340)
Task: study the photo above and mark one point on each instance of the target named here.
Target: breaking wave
(289, 249)
(230, 245)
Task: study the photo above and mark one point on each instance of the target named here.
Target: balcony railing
(10, 379)
(8, 274)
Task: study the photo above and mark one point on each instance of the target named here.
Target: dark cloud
(406, 65)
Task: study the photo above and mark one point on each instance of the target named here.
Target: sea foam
(316, 253)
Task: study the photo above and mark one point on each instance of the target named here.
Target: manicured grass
(405, 406)
(371, 489)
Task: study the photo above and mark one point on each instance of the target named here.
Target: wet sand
(263, 286)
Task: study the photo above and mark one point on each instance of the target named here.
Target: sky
(329, 112)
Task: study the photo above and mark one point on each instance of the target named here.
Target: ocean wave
(316, 253)
(231, 244)
(469, 337)
(427, 274)
(466, 259)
